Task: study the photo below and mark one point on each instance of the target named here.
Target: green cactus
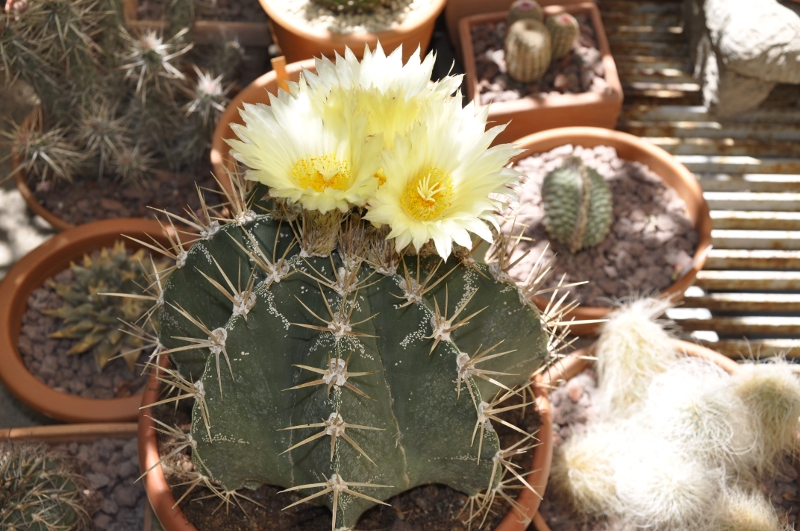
(577, 205)
(95, 318)
(351, 5)
(563, 30)
(350, 377)
(521, 9)
(527, 50)
(39, 492)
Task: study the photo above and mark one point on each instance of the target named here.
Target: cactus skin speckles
(577, 204)
(524, 9)
(527, 50)
(563, 30)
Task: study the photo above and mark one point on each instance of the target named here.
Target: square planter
(533, 114)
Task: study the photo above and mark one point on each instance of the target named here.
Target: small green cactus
(39, 492)
(527, 50)
(351, 5)
(563, 30)
(577, 205)
(95, 318)
(521, 9)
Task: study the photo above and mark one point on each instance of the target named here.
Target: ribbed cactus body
(351, 5)
(522, 9)
(304, 322)
(527, 50)
(577, 205)
(563, 30)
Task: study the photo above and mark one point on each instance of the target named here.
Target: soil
(219, 10)
(78, 374)
(316, 17)
(579, 71)
(91, 199)
(650, 245)
(425, 508)
(573, 406)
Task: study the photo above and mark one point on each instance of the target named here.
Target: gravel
(650, 244)
(317, 18)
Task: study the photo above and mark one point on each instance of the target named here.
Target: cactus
(39, 491)
(342, 6)
(521, 9)
(95, 318)
(577, 205)
(527, 50)
(563, 30)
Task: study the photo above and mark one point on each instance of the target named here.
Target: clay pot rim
(172, 518)
(649, 154)
(324, 36)
(28, 274)
(501, 109)
(69, 432)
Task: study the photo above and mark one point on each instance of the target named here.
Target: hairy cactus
(527, 50)
(577, 205)
(95, 318)
(563, 30)
(351, 5)
(39, 492)
(521, 9)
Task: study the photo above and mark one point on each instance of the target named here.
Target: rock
(109, 506)
(125, 495)
(97, 480)
(102, 521)
(574, 391)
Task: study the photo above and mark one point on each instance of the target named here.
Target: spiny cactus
(351, 5)
(563, 30)
(527, 50)
(521, 9)
(577, 205)
(39, 492)
(95, 318)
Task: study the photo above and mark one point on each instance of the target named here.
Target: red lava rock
(111, 204)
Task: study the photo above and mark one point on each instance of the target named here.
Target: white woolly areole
(218, 338)
(337, 373)
(244, 303)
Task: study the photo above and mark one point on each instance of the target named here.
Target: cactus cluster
(39, 491)
(121, 103)
(345, 6)
(532, 44)
(578, 207)
(93, 317)
(327, 355)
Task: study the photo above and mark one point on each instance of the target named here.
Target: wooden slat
(749, 183)
(742, 326)
(755, 239)
(748, 280)
(641, 19)
(634, 8)
(724, 146)
(702, 129)
(632, 71)
(652, 49)
(785, 202)
(755, 349)
(734, 219)
(745, 302)
(678, 113)
(628, 34)
(752, 259)
(711, 164)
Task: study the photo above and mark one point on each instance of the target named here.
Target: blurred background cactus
(577, 205)
(563, 30)
(532, 44)
(524, 9)
(112, 96)
(39, 491)
(94, 318)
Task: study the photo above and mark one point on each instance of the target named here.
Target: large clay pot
(532, 114)
(173, 519)
(52, 256)
(673, 173)
(298, 43)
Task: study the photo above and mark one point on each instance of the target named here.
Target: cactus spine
(577, 205)
(524, 9)
(563, 30)
(527, 50)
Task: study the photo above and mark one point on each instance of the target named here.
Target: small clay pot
(673, 173)
(298, 43)
(51, 257)
(173, 519)
(530, 115)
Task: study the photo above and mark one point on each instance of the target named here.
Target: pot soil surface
(219, 10)
(90, 199)
(314, 17)
(574, 406)
(650, 244)
(77, 374)
(581, 70)
(425, 508)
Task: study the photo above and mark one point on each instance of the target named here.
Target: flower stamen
(428, 195)
(320, 173)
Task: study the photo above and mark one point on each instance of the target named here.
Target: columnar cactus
(577, 205)
(521, 9)
(332, 350)
(563, 30)
(527, 50)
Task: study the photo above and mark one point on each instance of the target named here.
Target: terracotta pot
(298, 43)
(458, 9)
(53, 256)
(530, 115)
(673, 173)
(173, 519)
(256, 92)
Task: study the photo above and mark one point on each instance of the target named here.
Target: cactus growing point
(524, 9)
